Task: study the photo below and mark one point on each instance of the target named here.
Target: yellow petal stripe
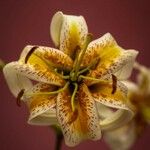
(73, 34)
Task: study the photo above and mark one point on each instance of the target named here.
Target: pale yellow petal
(68, 32)
(143, 78)
(126, 70)
(122, 138)
(95, 47)
(37, 73)
(16, 82)
(83, 122)
(102, 93)
(112, 59)
(42, 108)
(48, 57)
(42, 111)
(56, 26)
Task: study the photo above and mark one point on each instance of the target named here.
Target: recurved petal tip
(16, 82)
(55, 27)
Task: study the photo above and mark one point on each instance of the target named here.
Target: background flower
(139, 94)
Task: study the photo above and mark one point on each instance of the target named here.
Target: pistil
(78, 60)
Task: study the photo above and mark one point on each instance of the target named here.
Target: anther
(30, 53)
(114, 84)
(18, 100)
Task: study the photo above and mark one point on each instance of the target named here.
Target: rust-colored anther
(114, 84)
(18, 100)
(30, 53)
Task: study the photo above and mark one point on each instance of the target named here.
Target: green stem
(59, 139)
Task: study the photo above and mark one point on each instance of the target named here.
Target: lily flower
(70, 80)
(139, 94)
(141, 97)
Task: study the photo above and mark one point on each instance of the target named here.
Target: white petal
(143, 78)
(50, 56)
(113, 59)
(44, 116)
(122, 138)
(37, 73)
(81, 124)
(117, 119)
(102, 93)
(126, 70)
(15, 81)
(55, 27)
(41, 107)
(68, 32)
(132, 87)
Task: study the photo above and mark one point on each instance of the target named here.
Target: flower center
(75, 76)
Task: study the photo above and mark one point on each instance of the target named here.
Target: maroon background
(27, 22)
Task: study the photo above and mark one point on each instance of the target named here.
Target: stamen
(91, 65)
(60, 73)
(51, 93)
(30, 53)
(114, 84)
(65, 77)
(73, 96)
(18, 100)
(90, 78)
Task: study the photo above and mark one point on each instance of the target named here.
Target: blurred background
(27, 22)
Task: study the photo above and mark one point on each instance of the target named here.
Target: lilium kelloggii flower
(73, 80)
(139, 94)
